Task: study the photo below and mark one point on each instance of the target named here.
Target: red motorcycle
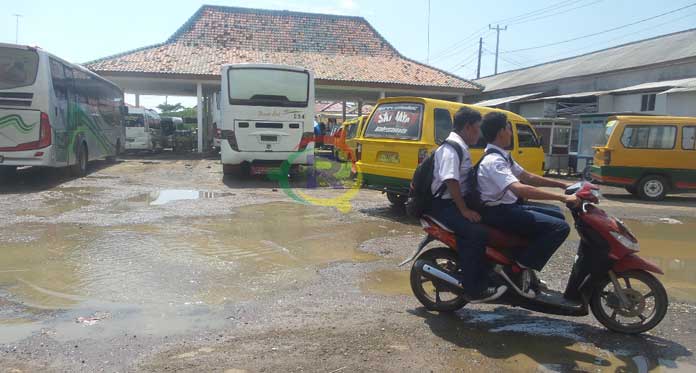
(608, 277)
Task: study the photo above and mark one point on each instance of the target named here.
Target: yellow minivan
(650, 156)
(401, 132)
(346, 146)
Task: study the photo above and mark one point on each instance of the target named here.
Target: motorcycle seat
(497, 239)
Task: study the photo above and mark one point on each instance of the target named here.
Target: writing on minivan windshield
(268, 87)
(399, 121)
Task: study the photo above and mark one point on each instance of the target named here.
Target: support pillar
(199, 112)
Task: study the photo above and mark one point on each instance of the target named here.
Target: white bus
(267, 117)
(54, 113)
(143, 130)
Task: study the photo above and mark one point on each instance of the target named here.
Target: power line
(596, 45)
(466, 61)
(554, 14)
(558, 5)
(453, 49)
(601, 32)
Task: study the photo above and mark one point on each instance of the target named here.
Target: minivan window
(689, 138)
(18, 67)
(443, 125)
(352, 130)
(649, 137)
(526, 137)
(608, 130)
(396, 121)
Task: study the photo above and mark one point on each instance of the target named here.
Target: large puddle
(152, 275)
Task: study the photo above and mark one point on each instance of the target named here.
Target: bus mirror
(124, 110)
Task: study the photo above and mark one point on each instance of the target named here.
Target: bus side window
(59, 80)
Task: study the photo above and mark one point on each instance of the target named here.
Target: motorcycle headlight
(626, 241)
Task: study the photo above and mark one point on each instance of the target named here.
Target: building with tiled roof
(350, 59)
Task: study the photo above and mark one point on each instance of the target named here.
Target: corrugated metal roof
(666, 48)
(570, 95)
(503, 100)
(680, 83)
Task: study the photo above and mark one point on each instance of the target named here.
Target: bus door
(59, 104)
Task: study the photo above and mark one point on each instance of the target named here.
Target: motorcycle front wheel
(434, 294)
(647, 303)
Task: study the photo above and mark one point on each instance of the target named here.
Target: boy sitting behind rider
(450, 209)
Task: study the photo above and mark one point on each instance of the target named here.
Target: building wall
(532, 109)
(681, 104)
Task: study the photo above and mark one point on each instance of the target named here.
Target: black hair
(493, 123)
(465, 117)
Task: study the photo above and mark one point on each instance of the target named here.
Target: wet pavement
(164, 264)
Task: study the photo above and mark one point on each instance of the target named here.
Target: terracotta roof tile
(336, 48)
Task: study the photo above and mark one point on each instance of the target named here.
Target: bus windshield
(268, 87)
(135, 120)
(18, 67)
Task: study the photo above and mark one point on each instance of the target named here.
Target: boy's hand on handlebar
(471, 215)
(572, 201)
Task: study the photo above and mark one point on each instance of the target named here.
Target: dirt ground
(161, 264)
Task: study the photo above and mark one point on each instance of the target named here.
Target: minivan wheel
(397, 199)
(652, 188)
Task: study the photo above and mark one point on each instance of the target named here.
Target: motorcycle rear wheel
(430, 291)
(644, 291)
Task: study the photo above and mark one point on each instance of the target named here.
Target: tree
(167, 108)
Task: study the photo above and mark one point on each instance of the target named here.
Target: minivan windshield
(396, 121)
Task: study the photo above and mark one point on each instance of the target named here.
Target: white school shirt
(495, 174)
(447, 167)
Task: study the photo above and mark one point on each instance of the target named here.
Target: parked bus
(143, 130)
(267, 117)
(54, 113)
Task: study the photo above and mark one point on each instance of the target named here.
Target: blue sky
(80, 30)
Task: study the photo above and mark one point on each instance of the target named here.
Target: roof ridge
(593, 52)
(235, 9)
(125, 53)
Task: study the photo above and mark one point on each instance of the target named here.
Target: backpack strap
(441, 190)
(508, 159)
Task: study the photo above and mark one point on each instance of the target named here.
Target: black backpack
(473, 195)
(420, 195)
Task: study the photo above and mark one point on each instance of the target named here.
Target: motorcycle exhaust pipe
(441, 275)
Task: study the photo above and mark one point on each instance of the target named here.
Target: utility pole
(17, 28)
(478, 69)
(497, 43)
(427, 60)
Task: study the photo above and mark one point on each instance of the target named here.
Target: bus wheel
(652, 188)
(7, 172)
(79, 169)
